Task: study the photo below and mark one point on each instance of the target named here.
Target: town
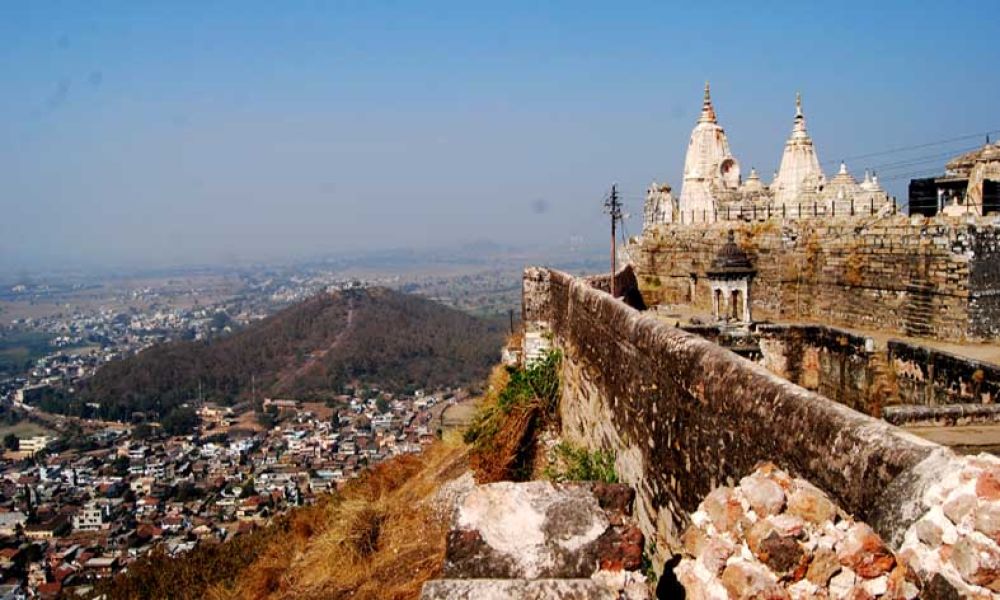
(81, 498)
(72, 515)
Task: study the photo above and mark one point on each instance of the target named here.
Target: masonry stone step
(524, 589)
(541, 530)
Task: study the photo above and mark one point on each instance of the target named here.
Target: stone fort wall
(910, 276)
(683, 415)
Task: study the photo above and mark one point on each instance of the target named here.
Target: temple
(714, 190)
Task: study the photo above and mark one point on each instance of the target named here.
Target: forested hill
(309, 350)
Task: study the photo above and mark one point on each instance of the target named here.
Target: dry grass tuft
(381, 538)
(508, 453)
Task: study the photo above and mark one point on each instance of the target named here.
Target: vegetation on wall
(517, 402)
(573, 463)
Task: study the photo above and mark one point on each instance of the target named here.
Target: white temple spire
(709, 167)
(799, 173)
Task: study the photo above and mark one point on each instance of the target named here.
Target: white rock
(628, 584)
(802, 590)
(698, 582)
(877, 586)
(842, 583)
(514, 519)
(934, 528)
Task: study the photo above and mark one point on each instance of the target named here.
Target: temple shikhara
(714, 189)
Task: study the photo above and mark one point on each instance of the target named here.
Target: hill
(308, 351)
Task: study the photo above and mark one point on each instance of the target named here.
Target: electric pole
(614, 208)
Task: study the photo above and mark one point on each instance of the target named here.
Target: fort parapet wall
(683, 416)
(931, 377)
(909, 276)
(900, 381)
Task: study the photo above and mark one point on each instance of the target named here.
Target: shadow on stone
(668, 587)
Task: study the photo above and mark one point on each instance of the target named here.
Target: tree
(382, 405)
(220, 320)
(11, 442)
(180, 421)
(268, 417)
(120, 466)
(141, 431)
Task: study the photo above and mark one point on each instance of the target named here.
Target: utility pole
(613, 207)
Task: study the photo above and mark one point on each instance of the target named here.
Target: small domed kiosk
(730, 277)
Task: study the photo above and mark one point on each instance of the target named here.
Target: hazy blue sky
(135, 132)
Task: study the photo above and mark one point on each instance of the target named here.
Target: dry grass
(381, 538)
(517, 403)
(509, 453)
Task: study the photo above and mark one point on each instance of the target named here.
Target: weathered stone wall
(684, 416)
(910, 276)
(984, 295)
(926, 376)
(831, 361)
(869, 377)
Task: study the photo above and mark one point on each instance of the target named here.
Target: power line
(912, 174)
(981, 134)
(921, 159)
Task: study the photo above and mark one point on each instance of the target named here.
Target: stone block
(538, 530)
(526, 589)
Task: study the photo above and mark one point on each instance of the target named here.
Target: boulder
(536, 530)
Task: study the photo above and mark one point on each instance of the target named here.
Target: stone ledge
(525, 589)
(948, 414)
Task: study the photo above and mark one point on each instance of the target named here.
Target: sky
(168, 133)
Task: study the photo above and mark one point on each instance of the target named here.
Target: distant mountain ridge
(375, 336)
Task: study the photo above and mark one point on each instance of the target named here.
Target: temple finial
(799, 127)
(707, 110)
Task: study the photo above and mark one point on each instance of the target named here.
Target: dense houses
(83, 500)
(71, 518)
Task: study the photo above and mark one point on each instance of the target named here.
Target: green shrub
(538, 384)
(578, 464)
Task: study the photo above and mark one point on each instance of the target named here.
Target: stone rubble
(954, 544)
(778, 537)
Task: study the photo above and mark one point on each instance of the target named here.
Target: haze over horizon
(183, 133)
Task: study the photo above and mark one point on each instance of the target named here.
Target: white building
(34, 444)
(91, 517)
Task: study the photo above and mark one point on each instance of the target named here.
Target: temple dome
(843, 183)
(731, 260)
(753, 182)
